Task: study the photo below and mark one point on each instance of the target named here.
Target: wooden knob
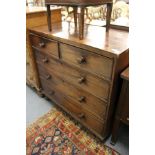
(81, 99)
(48, 77)
(81, 116)
(81, 80)
(45, 60)
(52, 92)
(81, 60)
(42, 44)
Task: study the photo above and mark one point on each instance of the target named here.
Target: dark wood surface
(82, 78)
(81, 4)
(101, 66)
(45, 45)
(77, 2)
(94, 85)
(122, 112)
(79, 96)
(36, 16)
(96, 40)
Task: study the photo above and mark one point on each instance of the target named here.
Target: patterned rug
(56, 134)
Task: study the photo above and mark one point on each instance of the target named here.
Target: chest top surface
(77, 2)
(96, 38)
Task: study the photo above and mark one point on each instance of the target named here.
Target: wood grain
(84, 77)
(96, 86)
(36, 16)
(94, 63)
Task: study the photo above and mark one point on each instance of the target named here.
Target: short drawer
(86, 100)
(94, 63)
(85, 81)
(46, 45)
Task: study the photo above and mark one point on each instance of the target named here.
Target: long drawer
(96, 106)
(46, 45)
(86, 60)
(77, 110)
(88, 82)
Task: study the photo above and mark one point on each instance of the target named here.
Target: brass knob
(52, 92)
(81, 116)
(45, 60)
(48, 77)
(42, 44)
(81, 80)
(81, 60)
(82, 99)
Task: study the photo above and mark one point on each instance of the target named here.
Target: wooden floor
(37, 106)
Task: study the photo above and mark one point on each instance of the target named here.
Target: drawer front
(96, 86)
(51, 93)
(86, 100)
(83, 116)
(83, 59)
(46, 45)
(77, 110)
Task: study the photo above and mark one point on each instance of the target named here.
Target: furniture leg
(81, 23)
(115, 131)
(49, 17)
(108, 17)
(75, 17)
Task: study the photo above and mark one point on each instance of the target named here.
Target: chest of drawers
(81, 76)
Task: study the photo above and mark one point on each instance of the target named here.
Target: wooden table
(122, 112)
(36, 16)
(79, 6)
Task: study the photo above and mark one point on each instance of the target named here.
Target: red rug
(56, 134)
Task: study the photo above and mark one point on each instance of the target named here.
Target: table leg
(81, 23)
(115, 131)
(75, 17)
(49, 17)
(108, 16)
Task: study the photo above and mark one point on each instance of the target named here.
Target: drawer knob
(81, 80)
(48, 77)
(42, 44)
(45, 60)
(52, 92)
(127, 118)
(81, 116)
(81, 60)
(81, 99)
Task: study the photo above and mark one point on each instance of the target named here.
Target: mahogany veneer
(36, 16)
(81, 76)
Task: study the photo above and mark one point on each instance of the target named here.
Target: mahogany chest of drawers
(81, 76)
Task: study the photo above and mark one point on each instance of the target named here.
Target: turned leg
(108, 17)
(81, 23)
(115, 131)
(49, 17)
(75, 17)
